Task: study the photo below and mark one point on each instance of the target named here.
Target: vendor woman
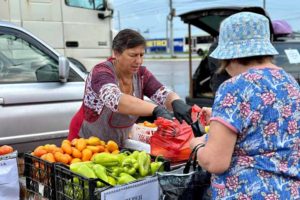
(114, 90)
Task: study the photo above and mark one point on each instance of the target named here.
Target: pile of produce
(118, 169)
(77, 150)
(106, 170)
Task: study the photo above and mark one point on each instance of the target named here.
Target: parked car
(204, 81)
(40, 90)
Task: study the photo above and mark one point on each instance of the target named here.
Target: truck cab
(79, 30)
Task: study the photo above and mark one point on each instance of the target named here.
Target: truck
(81, 30)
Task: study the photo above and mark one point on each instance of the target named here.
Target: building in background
(181, 45)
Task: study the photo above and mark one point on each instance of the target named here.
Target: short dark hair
(127, 39)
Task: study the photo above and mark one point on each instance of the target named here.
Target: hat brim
(243, 49)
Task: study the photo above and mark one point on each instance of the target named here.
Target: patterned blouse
(102, 90)
(263, 107)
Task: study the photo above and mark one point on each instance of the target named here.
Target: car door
(35, 106)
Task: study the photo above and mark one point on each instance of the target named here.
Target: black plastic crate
(71, 186)
(39, 176)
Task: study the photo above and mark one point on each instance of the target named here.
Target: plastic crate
(70, 186)
(39, 176)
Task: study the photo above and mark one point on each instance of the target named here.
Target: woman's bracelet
(198, 146)
(206, 137)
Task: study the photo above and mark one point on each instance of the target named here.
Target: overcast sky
(149, 16)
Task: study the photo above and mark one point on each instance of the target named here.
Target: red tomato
(5, 149)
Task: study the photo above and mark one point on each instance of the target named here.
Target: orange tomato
(49, 157)
(58, 155)
(94, 149)
(81, 144)
(102, 143)
(74, 141)
(66, 141)
(58, 149)
(69, 157)
(112, 146)
(86, 154)
(75, 160)
(115, 152)
(63, 158)
(39, 151)
(93, 140)
(101, 148)
(50, 148)
(66, 147)
(6, 149)
(76, 153)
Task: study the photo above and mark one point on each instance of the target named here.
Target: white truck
(79, 29)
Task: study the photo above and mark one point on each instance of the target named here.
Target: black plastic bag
(186, 183)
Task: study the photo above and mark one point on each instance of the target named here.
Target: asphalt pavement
(174, 73)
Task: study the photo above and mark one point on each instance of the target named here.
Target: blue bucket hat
(244, 34)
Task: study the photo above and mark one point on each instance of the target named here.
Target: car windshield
(20, 61)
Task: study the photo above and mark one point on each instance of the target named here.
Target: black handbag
(187, 182)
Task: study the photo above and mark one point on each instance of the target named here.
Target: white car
(40, 90)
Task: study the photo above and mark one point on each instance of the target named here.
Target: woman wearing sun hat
(253, 145)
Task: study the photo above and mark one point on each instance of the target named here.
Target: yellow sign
(156, 43)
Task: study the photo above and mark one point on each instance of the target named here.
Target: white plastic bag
(142, 133)
(9, 177)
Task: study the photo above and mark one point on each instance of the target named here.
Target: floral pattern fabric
(109, 93)
(263, 107)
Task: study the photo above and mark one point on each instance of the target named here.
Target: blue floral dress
(263, 107)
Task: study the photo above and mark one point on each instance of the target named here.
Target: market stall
(90, 168)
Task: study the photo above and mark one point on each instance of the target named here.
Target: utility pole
(264, 4)
(167, 34)
(119, 21)
(172, 14)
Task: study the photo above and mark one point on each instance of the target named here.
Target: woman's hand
(206, 111)
(182, 111)
(160, 111)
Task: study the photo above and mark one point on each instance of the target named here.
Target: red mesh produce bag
(171, 140)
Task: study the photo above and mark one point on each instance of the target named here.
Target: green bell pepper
(156, 165)
(100, 172)
(144, 161)
(125, 178)
(112, 181)
(130, 165)
(134, 155)
(74, 167)
(107, 159)
(86, 171)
